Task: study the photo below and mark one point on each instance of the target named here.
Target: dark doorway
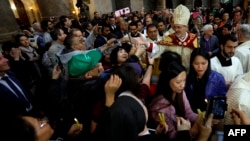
(197, 3)
(183, 2)
(23, 18)
(169, 4)
(122, 4)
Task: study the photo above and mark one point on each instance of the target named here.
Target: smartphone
(117, 43)
(32, 40)
(137, 34)
(100, 29)
(60, 65)
(217, 105)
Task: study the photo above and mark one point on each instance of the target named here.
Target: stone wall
(102, 6)
(147, 4)
(136, 5)
(108, 6)
(8, 24)
(54, 8)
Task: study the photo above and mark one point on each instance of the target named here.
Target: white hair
(206, 27)
(36, 26)
(245, 30)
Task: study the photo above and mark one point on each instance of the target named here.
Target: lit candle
(77, 122)
(205, 100)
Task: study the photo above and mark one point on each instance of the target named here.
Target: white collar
(184, 38)
(5, 75)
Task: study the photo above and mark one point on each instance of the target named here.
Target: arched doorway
(23, 18)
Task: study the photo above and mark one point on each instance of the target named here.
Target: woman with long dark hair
(171, 99)
(202, 82)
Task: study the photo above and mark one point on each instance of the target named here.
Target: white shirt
(243, 53)
(229, 72)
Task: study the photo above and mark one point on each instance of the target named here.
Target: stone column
(8, 24)
(136, 5)
(245, 5)
(160, 4)
(54, 8)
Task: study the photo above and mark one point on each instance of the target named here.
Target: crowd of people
(137, 77)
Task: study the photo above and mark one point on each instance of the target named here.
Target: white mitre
(181, 15)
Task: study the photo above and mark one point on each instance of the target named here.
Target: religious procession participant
(181, 41)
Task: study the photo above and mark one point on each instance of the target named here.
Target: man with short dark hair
(112, 24)
(97, 19)
(237, 20)
(226, 29)
(14, 99)
(225, 62)
(133, 30)
(102, 38)
(65, 24)
(161, 26)
(58, 37)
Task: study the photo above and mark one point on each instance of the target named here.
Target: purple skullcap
(137, 67)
